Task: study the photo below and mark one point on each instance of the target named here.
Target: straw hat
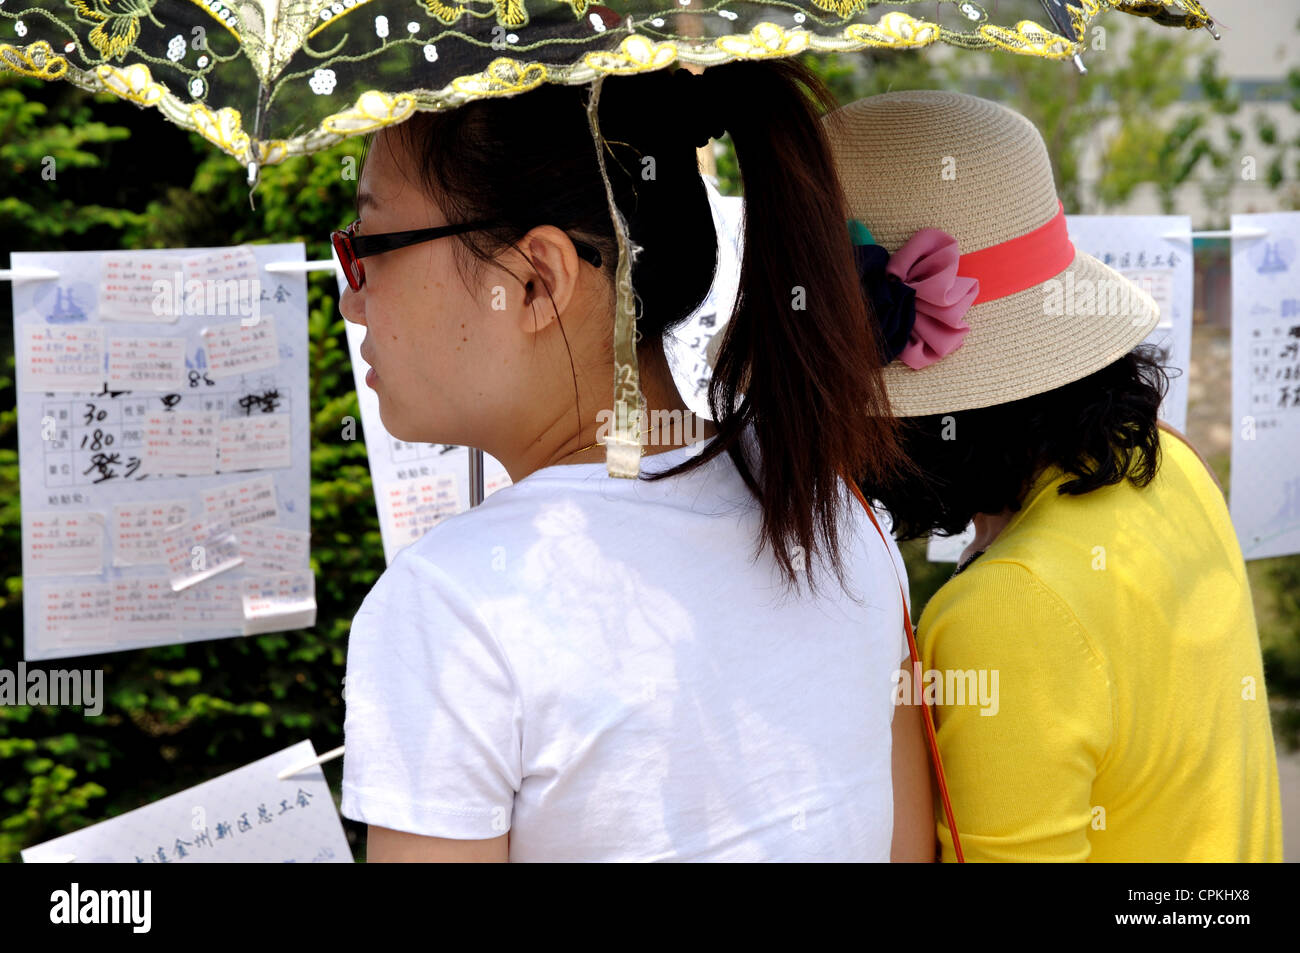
(1043, 313)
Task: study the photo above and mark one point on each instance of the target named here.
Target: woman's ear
(549, 272)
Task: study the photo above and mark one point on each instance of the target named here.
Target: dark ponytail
(799, 346)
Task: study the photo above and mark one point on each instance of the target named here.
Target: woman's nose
(351, 306)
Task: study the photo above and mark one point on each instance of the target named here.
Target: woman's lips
(371, 377)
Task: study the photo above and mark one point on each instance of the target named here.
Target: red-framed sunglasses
(351, 248)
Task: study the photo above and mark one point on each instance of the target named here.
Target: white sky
(1259, 38)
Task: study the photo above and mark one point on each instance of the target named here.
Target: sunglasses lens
(351, 267)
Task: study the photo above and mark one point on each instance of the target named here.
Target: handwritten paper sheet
(686, 347)
(1136, 247)
(1265, 487)
(244, 816)
(158, 390)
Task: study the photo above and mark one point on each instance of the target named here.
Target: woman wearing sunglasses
(692, 665)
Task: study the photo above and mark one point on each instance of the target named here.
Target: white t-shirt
(599, 666)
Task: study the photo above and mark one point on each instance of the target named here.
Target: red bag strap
(935, 761)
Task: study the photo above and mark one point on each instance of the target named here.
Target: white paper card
(269, 548)
(138, 529)
(61, 358)
(199, 550)
(279, 601)
(255, 442)
(143, 363)
(63, 544)
(230, 283)
(216, 603)
(242, 503)
(145, 607)
(244, 816)
(129, 288)
(77, 614)
(1265, 485)
(237, 349)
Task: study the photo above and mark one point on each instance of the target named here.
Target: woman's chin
(400, 430)
(402, 427)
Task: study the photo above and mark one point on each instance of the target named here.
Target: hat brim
(1019, 345)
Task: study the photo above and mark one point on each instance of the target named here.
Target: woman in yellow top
(1094, 660)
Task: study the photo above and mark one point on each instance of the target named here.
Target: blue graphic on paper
(200, 361)
(66, 309)
(1273, 257)
(65, 303)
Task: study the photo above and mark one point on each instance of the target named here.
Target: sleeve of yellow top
(1020, 768)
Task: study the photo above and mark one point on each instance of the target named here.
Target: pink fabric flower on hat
(927, 263)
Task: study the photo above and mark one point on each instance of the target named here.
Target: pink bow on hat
(927, 263)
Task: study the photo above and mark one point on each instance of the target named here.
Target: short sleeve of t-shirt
(433, 726)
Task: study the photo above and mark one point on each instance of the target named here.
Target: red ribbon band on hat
(1019, 263)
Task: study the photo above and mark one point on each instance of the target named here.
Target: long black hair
(1100, 429)
(800, 344)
